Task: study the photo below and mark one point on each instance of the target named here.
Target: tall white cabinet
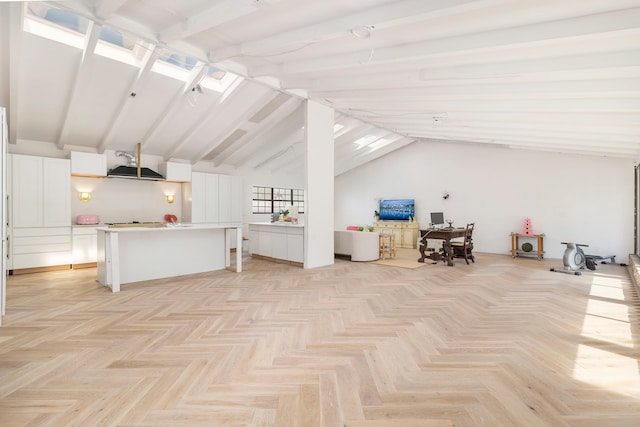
(40, 217)
(215, 198)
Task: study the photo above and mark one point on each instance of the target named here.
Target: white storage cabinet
(215, 198)
(40, 220)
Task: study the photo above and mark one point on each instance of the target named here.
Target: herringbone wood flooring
(502, 342)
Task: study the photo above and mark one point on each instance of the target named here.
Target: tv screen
(397, 210)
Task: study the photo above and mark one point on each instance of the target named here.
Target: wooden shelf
(538, 250)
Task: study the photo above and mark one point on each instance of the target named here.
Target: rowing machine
(574, 259)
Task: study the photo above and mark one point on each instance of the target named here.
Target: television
(397, 209)
(437, 218)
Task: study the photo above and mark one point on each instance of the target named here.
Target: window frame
(269, 200)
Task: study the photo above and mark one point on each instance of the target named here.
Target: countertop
(279, 224)
(172, 227)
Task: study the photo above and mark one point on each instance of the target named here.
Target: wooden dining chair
(464, 249)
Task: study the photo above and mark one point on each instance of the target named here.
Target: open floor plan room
(499, 342)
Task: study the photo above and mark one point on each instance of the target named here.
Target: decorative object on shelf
(376, 214)
(450, 222)
(284, 214)
(275, 217)
(85, 196)
(527, 247)
(526, 228)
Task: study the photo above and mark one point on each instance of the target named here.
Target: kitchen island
(134, 254)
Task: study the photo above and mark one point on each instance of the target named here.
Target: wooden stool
(387, 245)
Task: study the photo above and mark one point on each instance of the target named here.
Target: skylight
(366, 140)
(59, 25)
(71, 29)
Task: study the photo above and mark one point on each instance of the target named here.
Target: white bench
(359, 245)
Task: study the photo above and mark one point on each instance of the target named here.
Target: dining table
(445, 234)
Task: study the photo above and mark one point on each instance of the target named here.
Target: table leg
(114, 262)
(448, 252)
(423, 247)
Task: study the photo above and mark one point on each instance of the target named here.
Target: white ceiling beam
(394, 13)
(126, 104)
(539, 69)
(488, 41)
(221, 12)
(174, 105)
(610, 88)
(398, 107)
(106, 8)
(578, 136)
(82, 80)
(499, 137)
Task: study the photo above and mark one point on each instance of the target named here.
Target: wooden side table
(387, 245)
(517, 251)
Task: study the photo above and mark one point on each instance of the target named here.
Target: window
(267, 200)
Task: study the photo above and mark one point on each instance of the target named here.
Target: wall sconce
(85, 196)
(169, 198)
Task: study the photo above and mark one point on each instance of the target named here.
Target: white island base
(127, 255)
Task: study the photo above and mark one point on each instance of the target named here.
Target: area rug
(405, 258)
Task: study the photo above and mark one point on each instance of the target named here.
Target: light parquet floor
(502, 342)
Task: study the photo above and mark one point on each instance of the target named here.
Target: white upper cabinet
(88, 164)
(177, 172)
(40, 195)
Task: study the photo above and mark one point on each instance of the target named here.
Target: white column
(318, 224)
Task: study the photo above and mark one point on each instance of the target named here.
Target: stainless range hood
(132, 169)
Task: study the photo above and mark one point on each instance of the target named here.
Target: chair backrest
(469, 232)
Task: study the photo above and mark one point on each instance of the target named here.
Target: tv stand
(406, 232)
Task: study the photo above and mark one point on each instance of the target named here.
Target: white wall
(580, 199)
(125, 200)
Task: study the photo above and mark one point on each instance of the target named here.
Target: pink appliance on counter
(87, 219)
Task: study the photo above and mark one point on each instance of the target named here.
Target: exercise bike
(574, 259)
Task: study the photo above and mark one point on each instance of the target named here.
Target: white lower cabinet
(41, 247)
(277, 241)
(295, 245)
(85, 245)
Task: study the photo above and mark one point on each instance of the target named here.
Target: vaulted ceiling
(534, 74)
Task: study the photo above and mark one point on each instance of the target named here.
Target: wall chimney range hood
(132, 169)
(132, 172)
